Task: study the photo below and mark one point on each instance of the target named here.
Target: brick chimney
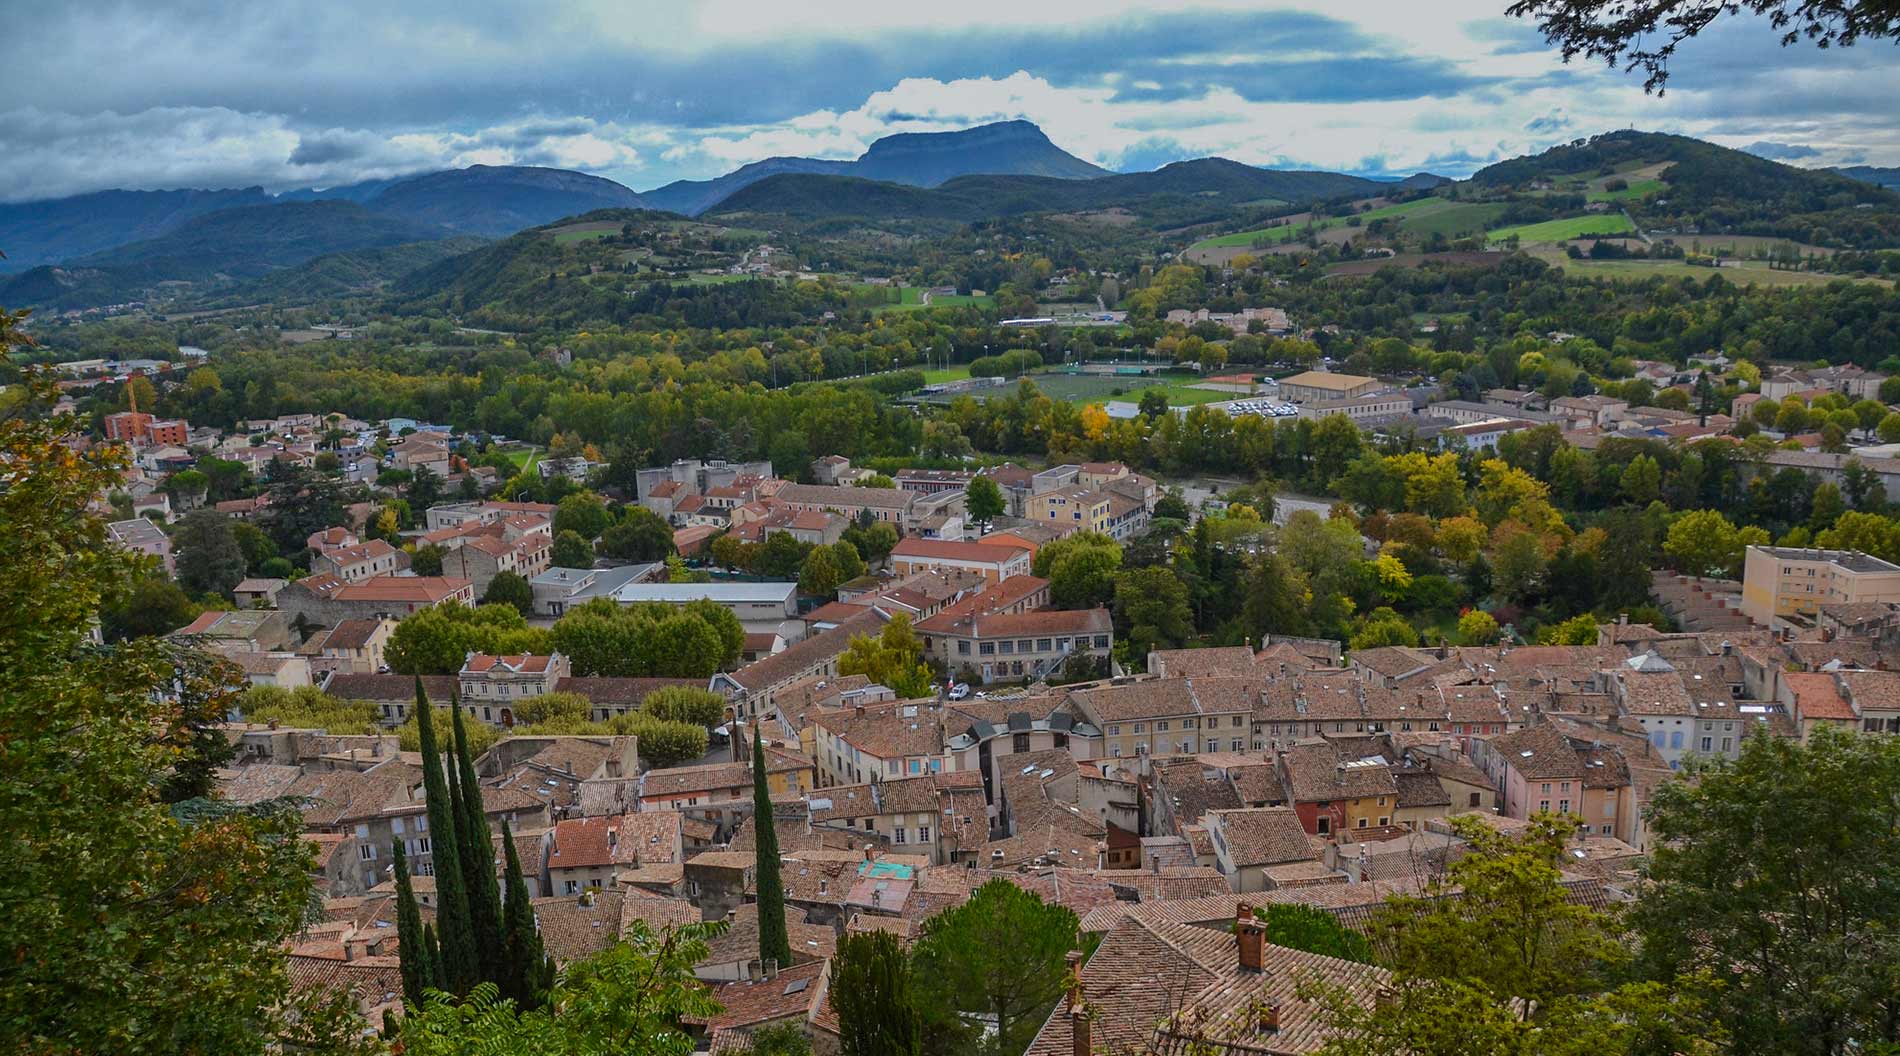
(1250, 935)
(1079, 1030)
(1072, 997)
(1266, 1017)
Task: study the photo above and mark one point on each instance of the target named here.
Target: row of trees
(475, 938)
(600, 637)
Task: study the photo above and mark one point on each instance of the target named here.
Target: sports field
(1568, 227)
(939, 375)
(1099, 388)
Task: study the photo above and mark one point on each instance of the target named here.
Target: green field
(1460, 219)
(1100, 388)
(1287, 232)
(1568, 227)
(1636, 189)
(939, 375)
(910, 299)
(582, 236)
(1747, 273)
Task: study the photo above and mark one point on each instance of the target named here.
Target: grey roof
(723, 593)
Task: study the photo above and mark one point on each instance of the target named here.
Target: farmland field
(583, 232)
(1455, 219)
(1297, 227)
(1745, 273)
(1636, 189)
(1568, 227)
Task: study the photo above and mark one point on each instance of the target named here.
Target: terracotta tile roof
(618, 692)
(1195, 663)
(1392, 661)
(887, 731)
(390, 688)
(1261, 835)
(1316, 772)
(788, 995)
(429, 589)
(576, 927)
(1019, 624)
(740, 943)
(1539, 753)
(823, 495)
(1167, 885)
(1818, 697)
(801, 656)
(351, 634)
(658, 914)
(689, 780)
(945, 550)
(1191, 790)
(1419, 789)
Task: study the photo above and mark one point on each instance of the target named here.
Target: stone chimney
(1072, 997)
(1250, 936)
(1079, 1028)
(771, 968)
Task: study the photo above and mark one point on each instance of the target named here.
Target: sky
(152, 94)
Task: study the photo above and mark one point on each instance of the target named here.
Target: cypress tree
(418, 974)
(478, 861)
(522, 952)
(432, 959)
(774, 944)
(461, 967)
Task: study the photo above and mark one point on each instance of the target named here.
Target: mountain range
(916, 159)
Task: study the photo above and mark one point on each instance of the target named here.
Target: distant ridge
(915, 159)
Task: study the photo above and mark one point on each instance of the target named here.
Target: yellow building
(1780, 582)
(1080, 508)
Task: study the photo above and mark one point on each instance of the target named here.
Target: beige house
(994, 563)
(1174, 716)
(1314, 385)
(1781, 583)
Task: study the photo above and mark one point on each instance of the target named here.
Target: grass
(1287, 232)
(1635, 190)
(581, 236)
(525, 459)
(1459, 219)
(939, 375)
(1744, 274)
(1568, 227)
(911, 299)
(1095, 388)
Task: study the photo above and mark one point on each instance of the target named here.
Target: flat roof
(1851, 560)
(1325, 379)
(723, 593)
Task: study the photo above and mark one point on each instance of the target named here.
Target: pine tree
(461, 966)
(418, 973)
(478, 861)
(774, 944)
(523, 955)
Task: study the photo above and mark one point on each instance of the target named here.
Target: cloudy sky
(218, 93)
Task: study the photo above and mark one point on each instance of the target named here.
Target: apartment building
(994, 562)
(492, 686)
(1782, 584)
(1174, 716)
(1077, 507)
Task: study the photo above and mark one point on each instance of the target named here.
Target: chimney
(753, 970)
(870, 854)
(732, 916)
(1154, 865)
(1072, 998)
(771, 968)
(1251, 938)
(613, 838)
(1079, 1028)
(1266, 1017)
(857, 710)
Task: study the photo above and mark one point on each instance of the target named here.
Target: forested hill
(1184, 192)
(1713, 188)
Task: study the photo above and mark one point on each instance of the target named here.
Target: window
(1007, 647)
(1475, 798)
(1675, 739)
(1234, 745)
(1238, 719)
(1543, 806)
(1563, 806)
(572, 887)
(1022, 645)
(898, 835)
(1727, 743)
(1188, 724)
(1141, 727)
(1362, 823)
(1706, 743)
(1162, 726)
(1101, 641)
(367, 851)
(1114, 730)
(1115, 750)
(923, 834)
(1384, 820)
(986, 648)
(1042, 645)
(963, 648)
(1213, 745)
(891, 767)
(1566, 786)
(1020, 743)
(1546, 789)
(1325, 825)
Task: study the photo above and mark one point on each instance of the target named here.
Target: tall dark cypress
(522, 951)
(774, 944)
(478, 861)
(461, 965)
(432, 958)
(418, 974)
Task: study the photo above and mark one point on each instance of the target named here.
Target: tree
(420, 969)
(1704, 543)
(1518, 563)
(572, 551)
(602, 637)
(133, 925)
(437, 640)
(1641, 481)
(780, 557)
(1152, 603)
(1804, 953)
(1171, 506)
(874, 540)
(1153, 403)
(1313, 930)
(662, 743)
(256, 546)
(872, 994)
(1081, 569)
(983, 500)
(1477, 627)
(891, 659)
(1382, 627)
(1889, 428)
(1577, 630)
(584, 513)
(477, 856)
(461, 963)
(774, 943)
(527, 970)
(509, 588)
(1496, 959)
(850, 563)
(632, 997)
(820, 575)
(701, 707)
(639, 536)
(151, 606)
(1643, 34)
(1001, 953)
(427, 560)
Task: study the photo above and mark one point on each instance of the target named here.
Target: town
(1175, 530)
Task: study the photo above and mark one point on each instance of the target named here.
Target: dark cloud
(1549, 124)
(1781, 151)
(1342, 80)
